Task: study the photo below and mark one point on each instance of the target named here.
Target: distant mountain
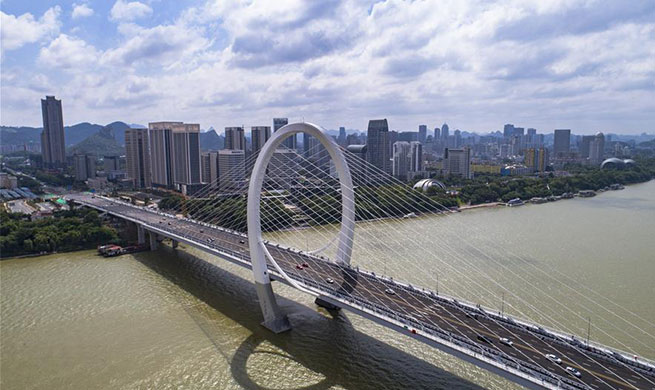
(74, 134)
(210, 140)
(102, 143)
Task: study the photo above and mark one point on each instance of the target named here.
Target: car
(573, 371)
(298, 266)
(553, 358)
(242, 241)
(390, 291)
(330, 280)
(169, 223)
(305, 265)
(485, 339)
(202, 231)
(506, 341)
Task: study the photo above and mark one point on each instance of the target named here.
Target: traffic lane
(290, 257)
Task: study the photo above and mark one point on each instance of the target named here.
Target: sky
(580, 64)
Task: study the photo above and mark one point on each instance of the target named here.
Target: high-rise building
(231, 169)
(401, 160)
(444, 133)
(186, 144)
(437, 134)
(137, 154)
(597, 149)
(175, 154)
(111, 163)
(508, 130)
(415, 157)
(377, 143)
(209, 165)
(458, 162)
(585, 145)
(458, 138)
(259, 135)
(537, 159)
(422, 133)
(342, 136)
(85, 167)
(316, 158)
(283, 168)
(289, 143)
(562, 144)
(53, 143)
(356, 160)
(235, 138)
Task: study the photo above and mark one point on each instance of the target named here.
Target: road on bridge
(474, 326)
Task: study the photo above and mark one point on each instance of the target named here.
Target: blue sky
(580, 64)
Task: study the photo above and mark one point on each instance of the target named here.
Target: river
(181, 319)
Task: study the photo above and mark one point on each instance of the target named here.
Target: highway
(438, 320)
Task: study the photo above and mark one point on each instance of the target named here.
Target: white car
(553, 358)
(506, 341)
(390, 291)
(573, 371)
(329, 280)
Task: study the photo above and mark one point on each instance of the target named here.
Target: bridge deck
(440, 321)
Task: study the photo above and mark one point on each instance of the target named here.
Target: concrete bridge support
(154, 244)
(141, 234)
(175, 243)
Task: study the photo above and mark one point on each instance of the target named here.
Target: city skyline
(429, 63)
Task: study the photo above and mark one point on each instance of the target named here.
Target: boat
(587, 193)
(537, 200)
(410, 215)
(515, 202)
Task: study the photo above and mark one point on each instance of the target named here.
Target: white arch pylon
(274, 319)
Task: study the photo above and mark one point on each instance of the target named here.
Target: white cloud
(18, 31)
(129, 11)
(69, 53)
(81, 11)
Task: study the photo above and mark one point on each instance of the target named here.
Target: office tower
(85, 167)
(316, 157)
(209, 165)
(137, 154)
(585, 145)
(401, 160)
(458, 138)
(532, 132)
(186, 146)
(562, 143)
(356, 160)
(53, 143)
(415, 157)
(174, 154)
(235, 138)
(283, 168)
(342, 136)
(597, 149)
(508, 130)
(457, 162)
(259, 135)
(537, 159)
(504, 151)
(444, 133)
(377, 143)
(437, 134)
(231, 169)
(422, 133)
(289, 143)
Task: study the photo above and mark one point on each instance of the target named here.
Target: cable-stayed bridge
(523, 351)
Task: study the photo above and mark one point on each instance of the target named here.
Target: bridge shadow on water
(331, 347)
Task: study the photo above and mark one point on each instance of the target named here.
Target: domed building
(614, 162)
(424, 184)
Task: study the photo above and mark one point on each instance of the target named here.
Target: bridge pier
(175, 243)
(154, 244)
(274, 319)
(141, 235)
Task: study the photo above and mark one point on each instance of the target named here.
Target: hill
(74, 134)
(102, 143)
(210, 140)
